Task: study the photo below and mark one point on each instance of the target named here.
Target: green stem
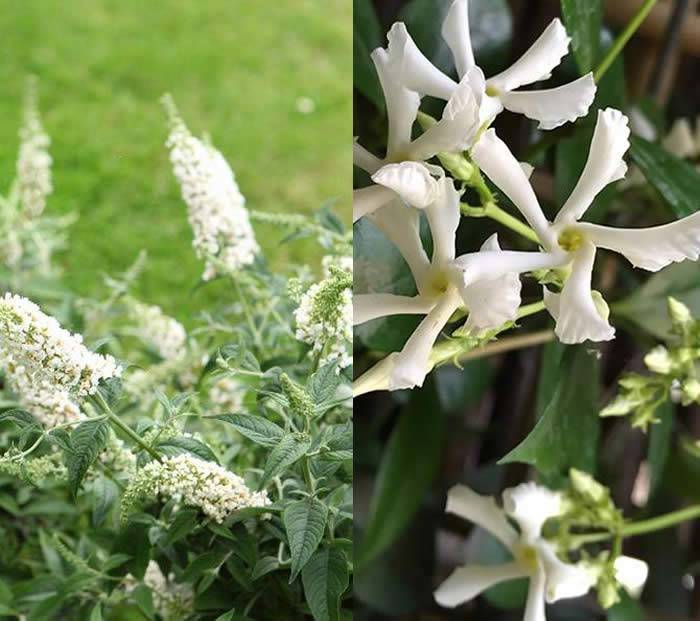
(622, 39)
(117, 422)
(493, 211)
(246, 311)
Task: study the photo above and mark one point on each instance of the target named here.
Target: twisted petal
(534, 607)
(401, 225)
(465, 583)
(651, 248)
(443, 217)
(368, 200)
(413, 362)
(368, 306)
(412, 181)
(605, 163)
(493, 264)
(632, 574)
(537, 62)
(455, 32)
(491, 302)
(563, 580)
(555, 106)
(497, 162)
(482, 511)
(459, 124)
(531, 505)
(375, 378)
(365, 160)
(577, 316)
(413, 69)
(680, 141)
(401, 104)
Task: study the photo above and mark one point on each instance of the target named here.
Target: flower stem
(622, 39)
(246, 311)
(493, 211)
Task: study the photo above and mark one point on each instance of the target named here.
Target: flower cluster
(47, 366)
(226, 396)
(193, 482)
(172, 600)
(223, 236)
(34, 160)
(324, 317)
(165, 335)
(486, 284)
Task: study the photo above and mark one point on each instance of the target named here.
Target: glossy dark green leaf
(566, 435)
(325, 579)
(367, 36)
(305, 521)
(409, 464)
(674, 179)
(583, 21)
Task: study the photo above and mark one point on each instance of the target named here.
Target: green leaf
(183, 444)
(460, 388)
(660, 437)
(96, 614)
(647, 306)
(19, 417)
(325, 579)
(182, 525)
(104, 494)
(406, 472)
(86, 441)
(364, 76)
(583, 20)
(323, 384)
(255, 428)
(286, 453)
(264, 566)
(305, 521)
(203, 563)
(566, 436)
(674, 179)
(133, 542)
(627, 610)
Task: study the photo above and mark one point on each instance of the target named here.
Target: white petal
(496, 161)
(443, 217)
(531, 505)
(641, 126)
(632, 574)
(491, 302)
(577, 316)
(493, 264)
(651, 248)
(455, 32)
(375, 378)
(465, 583)
(490, 108)
(604, 165)
(554, 106)
(482, 511)
(413, 362)
(401, 104)
(534, 608)
(538, 61)
(363, 159)
(367, 200)
(680, 140)
(368, 306)
(528, 169)
(563, 580)
(412, 181)
(413, 69)
(456, 130)
(401, 226)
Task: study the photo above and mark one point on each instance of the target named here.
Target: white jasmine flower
(682, 141)
(193, 482)
(580, 313)
(324, 318)
(223, 235)
(529, 506)
(33, 160)
(164, 334)
(551, 107)
(632, 574)
(41, 357)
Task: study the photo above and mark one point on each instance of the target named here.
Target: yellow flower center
(527, 557)
(570, 240)
(492, 91)
(438, 282)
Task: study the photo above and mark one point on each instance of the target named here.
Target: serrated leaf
(19, 417)
(674, 179)
(285, 454)
(583, 19)
(104, 494)
(255, 428)
(86, 442)
(305, 521)
(325, 579)
(183, 444)
(566, 435)
(323, 384)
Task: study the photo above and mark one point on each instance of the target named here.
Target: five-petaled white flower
(580, 313)
(529, 506)
(551, 107)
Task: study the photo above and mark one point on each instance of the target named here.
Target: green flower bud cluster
(32, 470)
(673, 375)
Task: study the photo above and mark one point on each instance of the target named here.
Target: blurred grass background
(245, 71)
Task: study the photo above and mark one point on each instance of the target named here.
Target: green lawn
(237, 69)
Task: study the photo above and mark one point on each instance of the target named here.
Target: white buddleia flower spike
(530, 506)
(551, 107)
(165, 335)
(171, 599)
(223, 235)
(581, 313)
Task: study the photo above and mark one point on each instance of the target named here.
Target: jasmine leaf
(583, 22)
(305, 521)
(325, 579)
